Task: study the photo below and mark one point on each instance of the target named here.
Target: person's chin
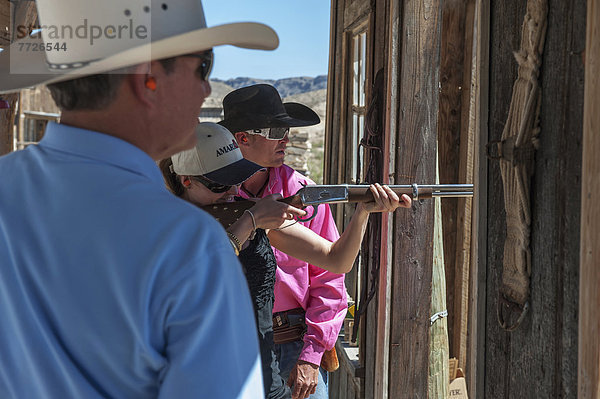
(279, 160)
(227, 198)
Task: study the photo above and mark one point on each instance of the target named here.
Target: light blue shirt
(110, 286)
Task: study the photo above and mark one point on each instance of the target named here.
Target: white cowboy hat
(87, 37)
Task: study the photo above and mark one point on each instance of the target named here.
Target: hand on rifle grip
(271, 213)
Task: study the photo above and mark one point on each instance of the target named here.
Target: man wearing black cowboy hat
(109, 285)
(303, 293)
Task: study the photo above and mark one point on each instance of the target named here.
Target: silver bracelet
(253, 234)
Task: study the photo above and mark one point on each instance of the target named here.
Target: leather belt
(288, 326)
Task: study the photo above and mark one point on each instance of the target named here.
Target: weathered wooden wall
(539, 359)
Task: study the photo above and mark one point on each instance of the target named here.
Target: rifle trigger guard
(311, 217)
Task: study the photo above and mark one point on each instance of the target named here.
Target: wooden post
(415, 162)
(589, 277)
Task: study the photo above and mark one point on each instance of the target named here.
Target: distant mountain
(286, 87)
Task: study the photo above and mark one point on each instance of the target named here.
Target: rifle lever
(314, 207)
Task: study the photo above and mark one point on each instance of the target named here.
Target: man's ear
(242, 138)
(144, 84)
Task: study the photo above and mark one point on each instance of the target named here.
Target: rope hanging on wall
(372, 142)
(516, 153)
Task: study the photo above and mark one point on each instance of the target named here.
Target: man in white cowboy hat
(109, 285)
(303, 292)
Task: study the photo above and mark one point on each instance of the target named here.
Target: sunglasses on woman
(205, 66)
(211, 185)
(271, 133)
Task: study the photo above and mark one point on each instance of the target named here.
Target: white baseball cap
(216, 156)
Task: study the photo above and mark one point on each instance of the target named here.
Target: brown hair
(171, 180)
(94, 92)
(90, 92)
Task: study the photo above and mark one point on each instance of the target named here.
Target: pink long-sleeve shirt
(298, 284)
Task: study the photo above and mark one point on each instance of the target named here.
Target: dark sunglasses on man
(211, 185)
(205, 66)
(271, 133)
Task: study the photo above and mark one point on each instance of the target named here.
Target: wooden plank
(464, 212)
(350, 389)
(589, 294)
(558, 207)
(332, 131)
(343, 383)
(506, 20)
(369, 320)
(354, 12)
(372, 357)
(438, 332)
(416, 146)
(478, 126)
(449, 128)
(333, 384)
(381, 383)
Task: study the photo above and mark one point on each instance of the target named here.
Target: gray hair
(93, 92)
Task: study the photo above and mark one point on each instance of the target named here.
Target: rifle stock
(313, 195)
(227, 213)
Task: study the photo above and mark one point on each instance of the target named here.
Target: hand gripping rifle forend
(314, 195)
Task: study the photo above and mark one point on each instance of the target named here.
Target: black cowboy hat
(260, 106)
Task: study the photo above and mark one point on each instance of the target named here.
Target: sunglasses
(211, 185)
(205, 66)
(271, 133)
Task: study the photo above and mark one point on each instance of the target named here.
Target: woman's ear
(185, 181)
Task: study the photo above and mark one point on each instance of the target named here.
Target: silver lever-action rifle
(314, 195)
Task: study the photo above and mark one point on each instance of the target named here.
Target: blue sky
(303, 29)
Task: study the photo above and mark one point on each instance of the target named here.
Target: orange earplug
(150, 83)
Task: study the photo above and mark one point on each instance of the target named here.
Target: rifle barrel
(455, 194)
(418, 191)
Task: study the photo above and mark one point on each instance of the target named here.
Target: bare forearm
(302, 243)
(343, 252)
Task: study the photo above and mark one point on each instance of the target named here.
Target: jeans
(288, 355)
